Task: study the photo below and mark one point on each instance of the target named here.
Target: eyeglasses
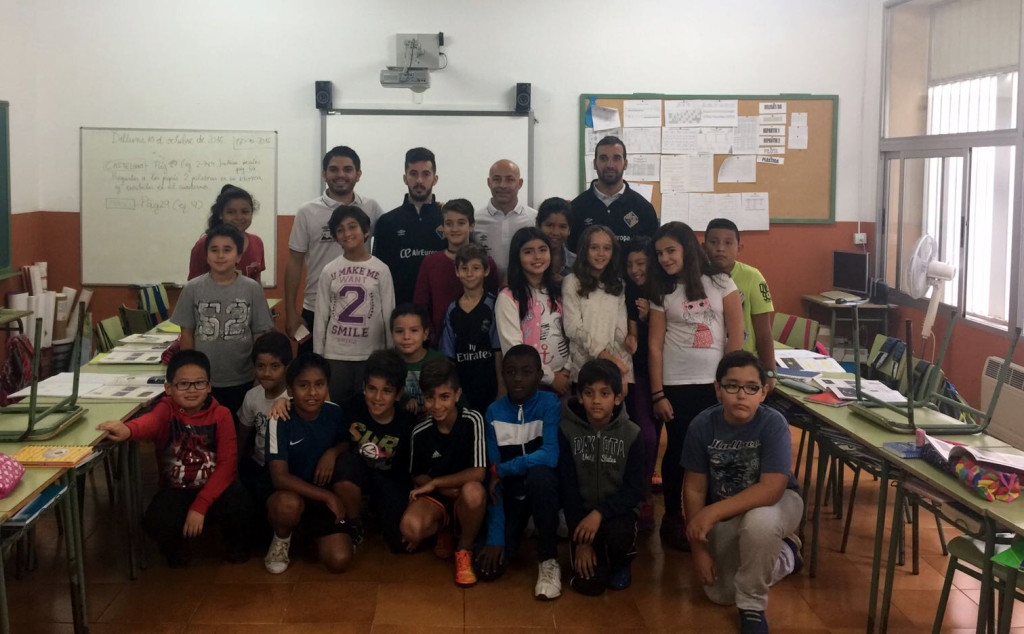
(184, 386)
(749, 389)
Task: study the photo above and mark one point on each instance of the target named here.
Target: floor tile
(417, 605)
(351, 602)
(500, 603)
(243, 603)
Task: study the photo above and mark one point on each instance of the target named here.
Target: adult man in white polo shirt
(504, 214)
(311, 243)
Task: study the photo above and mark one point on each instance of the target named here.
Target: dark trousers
(687, 401)
(256, 480)
(231, 397)
(307, 346)
(388, 495)
(165, 517)
(615, 547)
(534, 494)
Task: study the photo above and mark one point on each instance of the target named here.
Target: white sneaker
(549, 580)
(277, 560)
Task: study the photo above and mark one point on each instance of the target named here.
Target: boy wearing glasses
(197, 455)
(741, 500)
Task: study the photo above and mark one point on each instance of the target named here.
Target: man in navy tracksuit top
(609, 201)
(411, 232)
(522, 449)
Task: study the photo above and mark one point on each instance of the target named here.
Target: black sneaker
(753, 622)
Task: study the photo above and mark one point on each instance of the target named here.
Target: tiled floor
(415, 593)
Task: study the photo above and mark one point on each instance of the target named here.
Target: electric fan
(924, 271)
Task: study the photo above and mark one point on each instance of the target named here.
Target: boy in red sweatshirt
(197, 455)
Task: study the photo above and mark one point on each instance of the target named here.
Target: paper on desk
(679, 140)
(153, 338)
(605, 118)
(798, 137)
(641, 140)
(591, 137)
(643, 167)
(685, 113)
(675, 207)
(641, 113)
(738, 169)
(807, 360)
(951, 452)
(95, 386)
(122, 355)
(168, 326)
(644, 189)
(684, 173)
(745, 135)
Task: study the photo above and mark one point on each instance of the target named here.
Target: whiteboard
(146, 197)
(464, 144)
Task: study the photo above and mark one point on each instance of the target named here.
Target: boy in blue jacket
(522, 450)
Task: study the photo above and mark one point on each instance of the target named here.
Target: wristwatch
(771, 374)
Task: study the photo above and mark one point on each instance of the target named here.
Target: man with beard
(609, 201)
(311, 243)
(411, 232)
(497, 222)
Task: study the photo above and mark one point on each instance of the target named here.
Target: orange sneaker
(465, 577)
(444, 547)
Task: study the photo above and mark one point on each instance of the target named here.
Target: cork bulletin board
(795, 169)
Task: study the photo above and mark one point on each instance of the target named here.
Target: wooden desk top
(8, 315)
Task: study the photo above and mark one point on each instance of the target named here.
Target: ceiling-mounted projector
(415, 79)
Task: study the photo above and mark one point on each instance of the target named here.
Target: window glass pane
(892, 222)
(915, 196)
(952, 66)
(987, 293)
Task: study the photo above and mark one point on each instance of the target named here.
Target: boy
(379, 461)
(722, 245)
(437, 284)
(194, 438)
(301, 453)
(601, 472)
(741, 502)
(448, 463)
(409, 332)
(221, 313)
(470, 333)
(522, 449)
(271, 354)
(354, 298)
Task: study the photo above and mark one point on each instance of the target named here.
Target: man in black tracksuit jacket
(411, 232)
(609, 201)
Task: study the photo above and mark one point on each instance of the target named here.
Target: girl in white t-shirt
(529, 310)
(594, 302)
(696, 316)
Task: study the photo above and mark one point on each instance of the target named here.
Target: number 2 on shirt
(358, 294)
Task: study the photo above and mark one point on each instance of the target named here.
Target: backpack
(16, 372)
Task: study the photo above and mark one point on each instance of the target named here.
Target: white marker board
(146, 197)
(464, 144)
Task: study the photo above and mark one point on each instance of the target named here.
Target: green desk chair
(135, 320)
(153, 299)
(796, 332)
(108, 332)
(966, 557)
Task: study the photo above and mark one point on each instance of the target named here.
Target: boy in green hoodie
(601, 473)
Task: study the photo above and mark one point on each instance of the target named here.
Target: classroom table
(11, 320)
(869, 313)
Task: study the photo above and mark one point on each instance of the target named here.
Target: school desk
(877, 314)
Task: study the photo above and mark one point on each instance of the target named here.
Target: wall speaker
(522, 98)
(324, 95)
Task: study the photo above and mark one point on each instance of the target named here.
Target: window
(950, 148)
(5, 190)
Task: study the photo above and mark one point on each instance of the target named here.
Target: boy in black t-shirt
(379, 461)
(448, 463)
(470, 335)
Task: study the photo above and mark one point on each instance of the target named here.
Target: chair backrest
(153, 300)
(795, 332)
(108, 332)
(136, 320)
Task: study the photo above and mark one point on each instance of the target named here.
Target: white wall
(251, 65)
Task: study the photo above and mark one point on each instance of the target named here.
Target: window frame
(942, 146)
(5, 191)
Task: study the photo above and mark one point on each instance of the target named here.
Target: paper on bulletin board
(679, 140)
(644, 189)
(675, 207)
(702, 210)
(777, 150)
(744, 136)
(591, 137)
(683, 173)
(798, 119)
(714, 140)
(643, 167)
(641, 113)
(642, 140)
(772, 107)
(771, 160)
(605, 118)
(719, 112)
(754, 211)
(738, 169)
(771, 119)
(798, 137)
(686, 113)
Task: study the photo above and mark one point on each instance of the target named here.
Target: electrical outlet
(860, 238)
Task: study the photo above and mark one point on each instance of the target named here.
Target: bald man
(504, 214)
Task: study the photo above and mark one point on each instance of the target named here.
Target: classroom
(879, 122)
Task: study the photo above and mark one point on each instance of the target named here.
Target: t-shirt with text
(756, 299)
(383, 447)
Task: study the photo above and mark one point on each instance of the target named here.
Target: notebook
(51, 455)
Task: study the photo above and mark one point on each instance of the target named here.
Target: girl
(437, 284)
(638, 402)
(554, 219)
(529, 309)
(595, 306)
(233, 206)
(695, 317)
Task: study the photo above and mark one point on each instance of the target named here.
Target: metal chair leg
(849, 511)
(947, 583)
(799, 454)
